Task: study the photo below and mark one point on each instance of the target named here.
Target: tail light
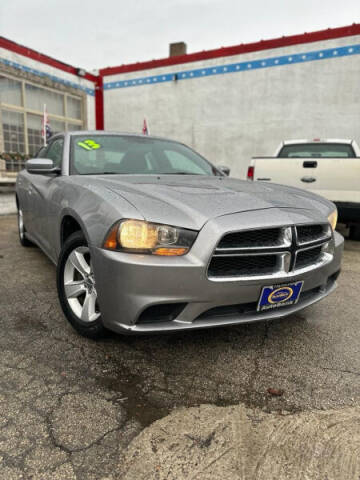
(250, 173)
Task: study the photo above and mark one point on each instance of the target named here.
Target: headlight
(138, 236)
(333, 219)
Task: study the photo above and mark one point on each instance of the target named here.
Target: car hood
(190, 201)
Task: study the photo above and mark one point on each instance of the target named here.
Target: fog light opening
(163, 312)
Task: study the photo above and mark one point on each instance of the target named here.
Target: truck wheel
(354, 233)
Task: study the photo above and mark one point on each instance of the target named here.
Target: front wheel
(77, 289)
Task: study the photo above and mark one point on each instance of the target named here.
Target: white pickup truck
(330, 168)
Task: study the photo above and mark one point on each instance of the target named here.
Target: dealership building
(229, 104)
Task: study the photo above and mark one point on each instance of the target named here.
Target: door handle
(308, 179)
(310, 164)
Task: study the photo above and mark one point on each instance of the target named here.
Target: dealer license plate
(277, 296)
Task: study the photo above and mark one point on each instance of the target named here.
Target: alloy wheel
(79, 285)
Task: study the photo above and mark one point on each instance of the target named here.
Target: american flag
(45, 127)
(145, 129)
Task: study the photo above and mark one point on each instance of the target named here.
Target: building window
(10, 91)
(21, 112)
(73, 107)
(13, 131)
(72, 127)
(37, 97)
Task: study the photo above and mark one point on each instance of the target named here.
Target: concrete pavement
(239, 443)
(7, 201)
(71, 408)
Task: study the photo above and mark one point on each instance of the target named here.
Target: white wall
(231, 117)
(90, 112)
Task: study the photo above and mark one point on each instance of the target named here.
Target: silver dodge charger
(148, 236)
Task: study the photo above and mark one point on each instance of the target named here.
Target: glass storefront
(22, 105)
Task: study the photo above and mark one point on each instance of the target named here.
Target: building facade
(234, 103)
(30, 80)
(229, 104)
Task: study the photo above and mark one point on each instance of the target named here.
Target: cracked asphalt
(69, 407)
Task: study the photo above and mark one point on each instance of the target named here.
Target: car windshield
(327, 150)
(126, 154)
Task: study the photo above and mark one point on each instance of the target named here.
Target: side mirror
(223, 169)
(41, 166)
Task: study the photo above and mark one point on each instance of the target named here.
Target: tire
(76, 288)
(354, 233)
(22, 231)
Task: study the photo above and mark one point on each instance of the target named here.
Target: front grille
(305, 258)
(247, 265)
(269, 251)
(311, 233)
(269, 237)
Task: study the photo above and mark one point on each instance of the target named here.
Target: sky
(92, 34)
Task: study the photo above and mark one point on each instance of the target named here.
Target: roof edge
(42, 58)
(287, 41)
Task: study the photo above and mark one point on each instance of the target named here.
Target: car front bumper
(128, 284)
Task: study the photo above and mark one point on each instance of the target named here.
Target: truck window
(326, 150)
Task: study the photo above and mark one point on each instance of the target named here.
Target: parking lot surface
(7, 201)
(69, 406)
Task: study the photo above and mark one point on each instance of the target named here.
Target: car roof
(107, 132)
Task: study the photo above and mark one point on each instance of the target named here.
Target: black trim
(348, 212)
(163, 312)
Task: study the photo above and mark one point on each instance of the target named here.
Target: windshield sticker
(89, 144)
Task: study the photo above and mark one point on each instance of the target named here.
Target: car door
(25, 192)
(41, 192)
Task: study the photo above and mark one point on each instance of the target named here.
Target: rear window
(316, 150)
